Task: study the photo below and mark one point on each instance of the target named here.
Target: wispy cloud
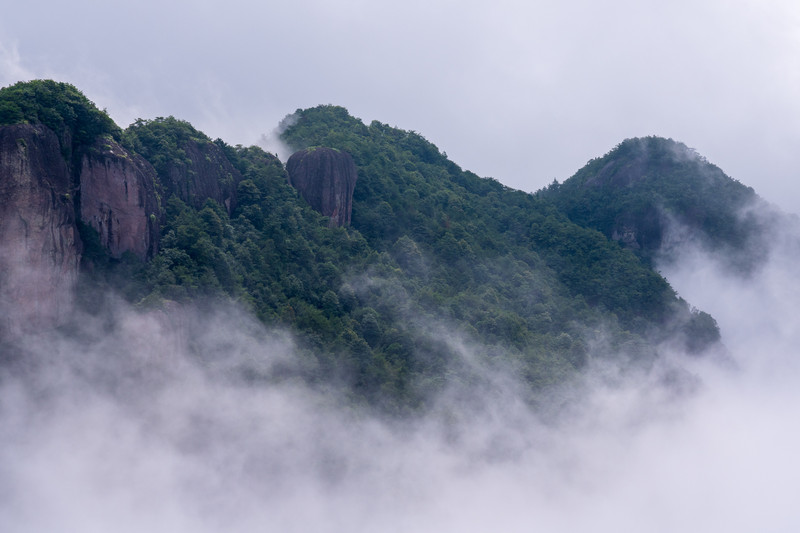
(12, 69)
(196, 419)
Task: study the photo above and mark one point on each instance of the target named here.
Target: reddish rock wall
(118, 199)
(205, 173)
(39, 244)
(326, 179)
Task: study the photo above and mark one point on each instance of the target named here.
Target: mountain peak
(652, 193)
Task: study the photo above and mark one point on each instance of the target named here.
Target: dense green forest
(59, 106)
(653, 188)
(436, 258)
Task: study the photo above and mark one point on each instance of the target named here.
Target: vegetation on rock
(436, 259)
(645, 190)
(59, 106)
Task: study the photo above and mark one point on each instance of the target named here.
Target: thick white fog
(125, 432)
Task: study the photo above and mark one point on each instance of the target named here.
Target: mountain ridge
(651, 193)
(428, 243)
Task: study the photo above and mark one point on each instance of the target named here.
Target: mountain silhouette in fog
(376, 251)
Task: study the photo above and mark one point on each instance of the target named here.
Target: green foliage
(437, 261)
(59, 106)
(644, 183)
(161, 141)
(408, 191)
(503, 267)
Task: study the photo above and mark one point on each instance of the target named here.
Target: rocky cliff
(39, 244)
(44, 193)
(118, 199)
(326, 179)
(204, 172)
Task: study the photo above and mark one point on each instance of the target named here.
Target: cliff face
(118, 199)
(39, 244)
(41, 199)
(326, 179)
(204, 173)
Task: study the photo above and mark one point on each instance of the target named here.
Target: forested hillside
(435, 257)
(431, 249)
(652, 194)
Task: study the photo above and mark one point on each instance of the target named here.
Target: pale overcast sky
(523, 91)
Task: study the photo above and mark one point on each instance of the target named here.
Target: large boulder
(326, 179)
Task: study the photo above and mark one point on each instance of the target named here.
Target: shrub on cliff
(59, 106)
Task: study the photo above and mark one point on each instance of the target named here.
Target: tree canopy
(59, 106)
(437, 259)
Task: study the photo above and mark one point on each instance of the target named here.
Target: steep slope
(64, 179)
(436, 261)
(118, 199)
(39, 244)
(435, 257)
(449, 231)
(653, 194)
(407, 188)
(188, 164)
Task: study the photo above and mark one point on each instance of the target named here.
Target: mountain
(381, 256)
(653, 195)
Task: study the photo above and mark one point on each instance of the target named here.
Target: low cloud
(272, 142)
(12, 68)
(199, 420)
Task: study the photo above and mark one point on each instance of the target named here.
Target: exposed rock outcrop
(39, 243)
(43, 195)
(204, 173)
(118, 199)
(326, 179)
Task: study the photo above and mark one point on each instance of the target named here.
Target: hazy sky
(524, 91)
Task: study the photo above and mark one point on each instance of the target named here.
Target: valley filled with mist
(366, 337)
